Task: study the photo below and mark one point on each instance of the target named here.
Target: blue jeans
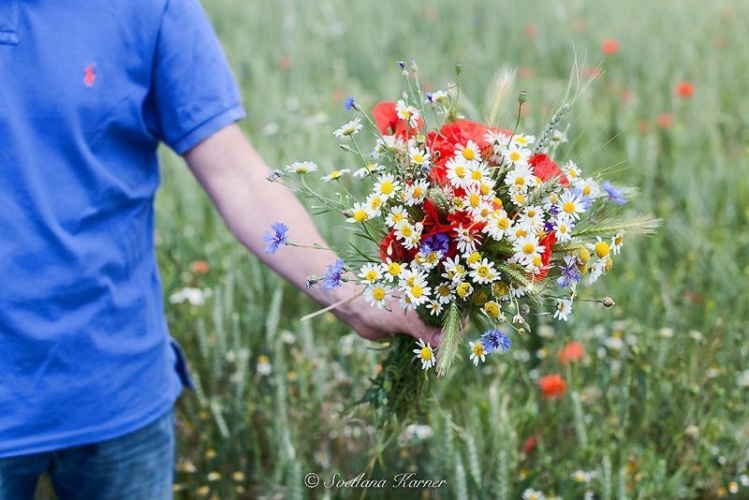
(137, 466)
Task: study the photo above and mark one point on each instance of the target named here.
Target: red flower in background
(552, 386)
(664, 120)
(530, 444)
(610, 47)
(388, 122)
(548, 242)
(685, 89)
(571, 353)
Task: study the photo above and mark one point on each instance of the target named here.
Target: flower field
(645, 399)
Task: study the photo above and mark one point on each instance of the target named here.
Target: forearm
(235, 177)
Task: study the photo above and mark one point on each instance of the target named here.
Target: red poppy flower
(552, 386)
(459, 132)
(388, 122)
(572, 352)
(545, 169)
(391, 248)
(530, 444)
(548, 243)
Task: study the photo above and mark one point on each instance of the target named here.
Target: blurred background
(654, 403)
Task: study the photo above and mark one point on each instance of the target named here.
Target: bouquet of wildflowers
(470, 221)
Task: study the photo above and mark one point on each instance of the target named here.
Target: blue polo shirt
(89, 89)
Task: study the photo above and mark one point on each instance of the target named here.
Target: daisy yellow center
(410, 281)
(520, 140)
(418, 192)
(531, 213)
(586, 190)
(500, 289)
(371, 275)
(583, 255)
(519, 181)
(464, 289)
(335, 174)
(537, 260)
(475, 200)
(483, 271)
(491, 309)
(460, 171)
(468, 154)
(563, 229)
(406, 231)
(478, 349)
(375, 203)
(397, 217)
(417, 291)
(419, 158)
(476, 175)
(529, 248)
(521, 233)
(568, 207)
(394, 269)
(426, 353)
(503, 223)
(432, 258)
(443, 291)
(458, 202)
(263, 359)
(378, 293)
(485, 212)
(601, 249)
(387, 187)
(301, 170)
(609, 264)
(514, 156)
(485, 189)
(459, 269)
(553, 198)
(519, 199)
(561, 307)
(474, 257)
(618, 240)
(360, 216)
(572, 173)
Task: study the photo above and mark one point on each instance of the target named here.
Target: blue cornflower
(570, 272)
(437, 243)
(402, 65)
(430, 97)
(614, 194)
(350, 103)
(495, 340)
(277, 238)
(332, 278)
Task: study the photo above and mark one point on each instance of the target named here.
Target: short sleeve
(194, 91)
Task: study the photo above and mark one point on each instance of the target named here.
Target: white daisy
(368, 169)
(407, 113)
(387, 186)
(570, 204)
(616, 243)
(359, 214)
(415, 193)
(564, 308)
(470, 151)
(516, 156)
(483, 272)
(302, 167)
(396, 215)
(336, 174)
(419, 157)
(454, 270)
(378, 296)
(563, 229)
(467, 239)
(349, 128)
(521, 178)
(435, 308)
(457, 170)
(477, 352)
(425, 354)
(369, 273)
(498, 224)
(571, 170)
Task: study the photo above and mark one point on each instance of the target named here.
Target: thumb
(432, 335)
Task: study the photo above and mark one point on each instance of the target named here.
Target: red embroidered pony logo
(89, 77)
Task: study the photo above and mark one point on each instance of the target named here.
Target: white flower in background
(397, 215)
(558, 137)
(521, 178)
(531, 494)
(516, 156)
(369, 273)
(457, 170)
(195, 296)
(571, 170)
(435, 307)
(563, 229)
(497, 225)
(350, 128)
(477, 352)
(523, 141)
(359, 213)
(418, 431)
(571, 205)
(415, 193)
(419, 157)
(742, 379)
(483, 272)
(470, 151)
(264, 367)
(302, 167)
(368, 170)
(407, 113)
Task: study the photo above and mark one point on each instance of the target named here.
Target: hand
(376, 324)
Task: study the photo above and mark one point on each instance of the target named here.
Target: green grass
(656, 413)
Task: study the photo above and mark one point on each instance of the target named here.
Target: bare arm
(234, 176)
